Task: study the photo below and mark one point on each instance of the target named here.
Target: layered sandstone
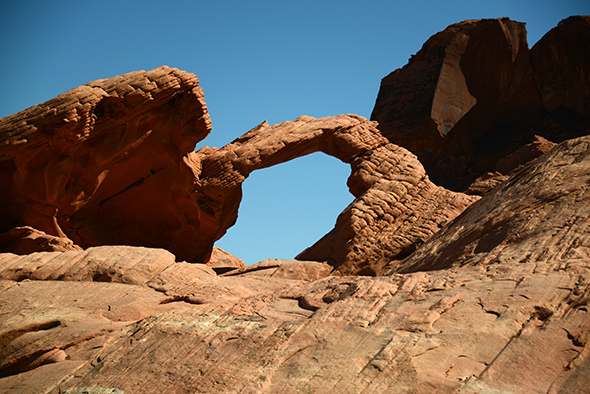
(103, 163)
(475, 295)
(475, 93)
(396, 206)
(128, 175)
(539, 216)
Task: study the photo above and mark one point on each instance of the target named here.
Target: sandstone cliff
(475, 93)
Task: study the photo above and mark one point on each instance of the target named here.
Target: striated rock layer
(103, 163)
(475, 93)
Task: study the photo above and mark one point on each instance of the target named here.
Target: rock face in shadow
(561, 61)
(475, 93)
(103, 163)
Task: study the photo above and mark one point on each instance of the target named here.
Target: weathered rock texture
(539, 216)
(475, 93)
(111, 162)
(134, 320)
(103, 163)
(397, 208)
(496, 301)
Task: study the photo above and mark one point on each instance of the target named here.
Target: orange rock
(396, 210)
(25, 240)
(287, 269)
(103, 163)
(222, 259)
(464, 328)
(538, 216)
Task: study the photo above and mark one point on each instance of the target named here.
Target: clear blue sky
(256, 60)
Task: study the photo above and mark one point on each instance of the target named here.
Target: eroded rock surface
(464, 328)
(396, 210)
(475, 93)
(395, 206)
(103, 163)
(539, 215)
(128, 176)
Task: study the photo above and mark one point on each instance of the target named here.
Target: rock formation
(539, 216)
(193, 197)
(396, 210)
(103, 163)
(495, 302)
(396, 206)
(475, 93)
(475, 294)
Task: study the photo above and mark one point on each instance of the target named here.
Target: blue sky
(256, 60)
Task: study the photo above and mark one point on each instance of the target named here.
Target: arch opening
(287, 208)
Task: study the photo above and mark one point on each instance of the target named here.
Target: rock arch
(396, 207)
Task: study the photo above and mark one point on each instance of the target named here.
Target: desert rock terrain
(462, 265)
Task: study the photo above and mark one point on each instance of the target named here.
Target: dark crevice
(9, 336)
(180, 299)
(134, 184)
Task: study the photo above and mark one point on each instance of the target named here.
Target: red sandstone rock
(222, 259)
(561, 60)
(538, 216)
(523, 155)
(25, 240)
(485, 183)
(470, 97)
(396, 210)
(466, 328)
(103, 163)
(287, 269)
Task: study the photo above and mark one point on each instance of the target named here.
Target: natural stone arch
(111, 162)
(396, 207)
(220, 172)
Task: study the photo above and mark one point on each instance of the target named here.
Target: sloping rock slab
(502, 328)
